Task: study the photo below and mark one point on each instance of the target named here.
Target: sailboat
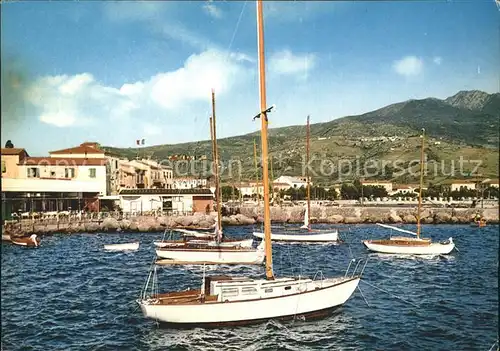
(219, 248)
(411, 245)
(208, 240)
(224, 300)
(313, 236)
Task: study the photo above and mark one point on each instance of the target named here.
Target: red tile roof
(63, 161)
(82, 149)
(13, 151)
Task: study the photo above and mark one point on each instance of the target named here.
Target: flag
(142, 141)
(138, 142)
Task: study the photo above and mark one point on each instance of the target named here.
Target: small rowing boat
(31, 241)
(122, 247)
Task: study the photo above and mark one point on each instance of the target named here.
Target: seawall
(252, 215)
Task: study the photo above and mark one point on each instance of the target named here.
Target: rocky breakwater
(252, 215)
(356, 215)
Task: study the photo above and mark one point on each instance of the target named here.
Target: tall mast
(256, 173)
(216, 162)
(421, 183)
(307, 177)
(263, 119)
(272, 178)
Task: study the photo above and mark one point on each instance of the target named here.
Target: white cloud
(298, 11)
(212, 10)
(286, 63)
(408, 66)
(159, 16)
(437, 60)
(66, 101)
(134, 10)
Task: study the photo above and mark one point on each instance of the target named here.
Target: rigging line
(349, 244)
(388, 292)
(492, 346)
(364, 298)
(236, 29)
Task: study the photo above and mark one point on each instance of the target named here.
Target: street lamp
(486, 181)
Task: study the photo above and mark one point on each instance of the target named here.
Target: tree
(349, 192)
(228, 191)
(9, 145)
(331, 194)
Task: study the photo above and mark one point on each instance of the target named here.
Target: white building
(51, 183)
(166, 200)
(189, 183)
(91, 150)
(293, 182)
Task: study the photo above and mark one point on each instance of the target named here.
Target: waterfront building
(181, 201)
(189, 183)
(55, 183)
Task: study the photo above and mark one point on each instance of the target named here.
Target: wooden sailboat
(219, 248)
(312, 236)
(31, 241)
(224, 300)
(411, 245)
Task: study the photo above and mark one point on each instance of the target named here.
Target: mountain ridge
(466, 122)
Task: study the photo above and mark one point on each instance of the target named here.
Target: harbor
(71, 294)
(109, 222)
(195, 191)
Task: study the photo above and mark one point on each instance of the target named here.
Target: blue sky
(114, 72)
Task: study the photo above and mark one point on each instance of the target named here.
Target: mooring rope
(388, 292)
(492, 346)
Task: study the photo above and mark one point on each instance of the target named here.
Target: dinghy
(31, 241)
(122, 247)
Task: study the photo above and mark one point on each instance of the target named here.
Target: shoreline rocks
(252, 215)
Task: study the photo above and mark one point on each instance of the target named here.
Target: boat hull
(331, 236)
(236, 243)
(317, 302)
(122, 247)
(193, 233)
(430, 249)
(26, 242)
(309, 316)
(214, 255)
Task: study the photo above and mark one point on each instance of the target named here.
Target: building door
(166, 204)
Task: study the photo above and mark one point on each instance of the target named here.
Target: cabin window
(248, 291)
(69, 173)
(268, 290)
(33, 172)
(4, 167)
(92, 172)
(288, 287)
(228, 292)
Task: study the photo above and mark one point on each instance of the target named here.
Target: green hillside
(461, 132)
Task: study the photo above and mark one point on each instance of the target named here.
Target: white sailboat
(205, 241)
(219, 248)
(313, 235)
(411, 245)
(241, 300)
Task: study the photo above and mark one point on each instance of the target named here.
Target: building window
(33, 172)
(69, 173)
(52, 174)
(92, 172)
(4, 167)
